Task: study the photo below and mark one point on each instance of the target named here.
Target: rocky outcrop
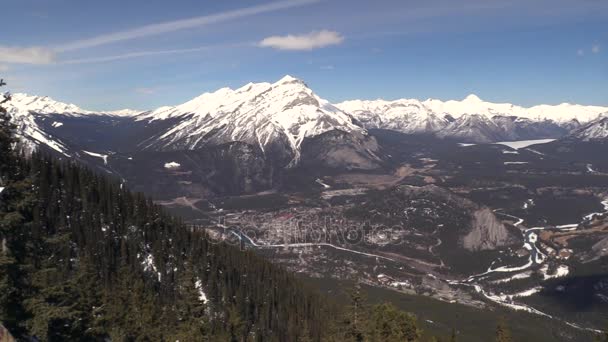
(487, 232)
(338, 149)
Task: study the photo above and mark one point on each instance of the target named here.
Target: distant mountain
(254, 133)
(471, 119)
(596, 130)
(28, 111)
(274, 117)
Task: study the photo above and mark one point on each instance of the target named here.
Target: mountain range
(285, 124)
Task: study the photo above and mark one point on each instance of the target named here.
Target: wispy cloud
(327, 67)
(308, 41)
(580, 52)
(130, 55)
(26, 55)
(3, 67)
(595, 48)
(176, 25)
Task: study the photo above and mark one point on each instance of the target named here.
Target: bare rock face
(599, 250)
(487, 232)
(339, 149)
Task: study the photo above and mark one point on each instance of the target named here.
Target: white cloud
(595, 48)
(309, 41)
(327, 67)
(3, 67)
(26, 55)
(176, 25)
(580, 52)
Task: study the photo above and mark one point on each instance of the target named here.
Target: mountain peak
(472, 98)
(289, 79)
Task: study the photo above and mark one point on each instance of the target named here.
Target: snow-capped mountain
(471, 119)
(277, 118)
(472, 104)
(274, 117)
(26, 112)
(23, 104)
(596, 130)
(408, 116)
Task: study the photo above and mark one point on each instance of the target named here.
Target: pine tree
(235, 326)
(453, 336)
(502, 332)
(190, 307)
(7, 155)
(356, 317)
(15, 207)
(388, 324)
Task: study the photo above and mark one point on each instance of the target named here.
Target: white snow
(172, 165)
(199, 286)
(123, 112)
(593, 215)
(149, 266)
(522, 275)
(98, 155)
(1, 189)
(561, 271)
(319, 181)
(36, 134)
(57, 124)
(515, 163)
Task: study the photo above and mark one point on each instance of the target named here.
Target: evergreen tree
(15, 205)
(502, 332)
(453, 335)
(190, 307)
(356, 316)
(388, 324)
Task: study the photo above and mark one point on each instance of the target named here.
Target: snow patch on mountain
(104, 157)
(172, 165)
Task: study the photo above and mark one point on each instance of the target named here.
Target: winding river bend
(536, 257)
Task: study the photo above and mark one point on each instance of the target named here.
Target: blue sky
(113, 54)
